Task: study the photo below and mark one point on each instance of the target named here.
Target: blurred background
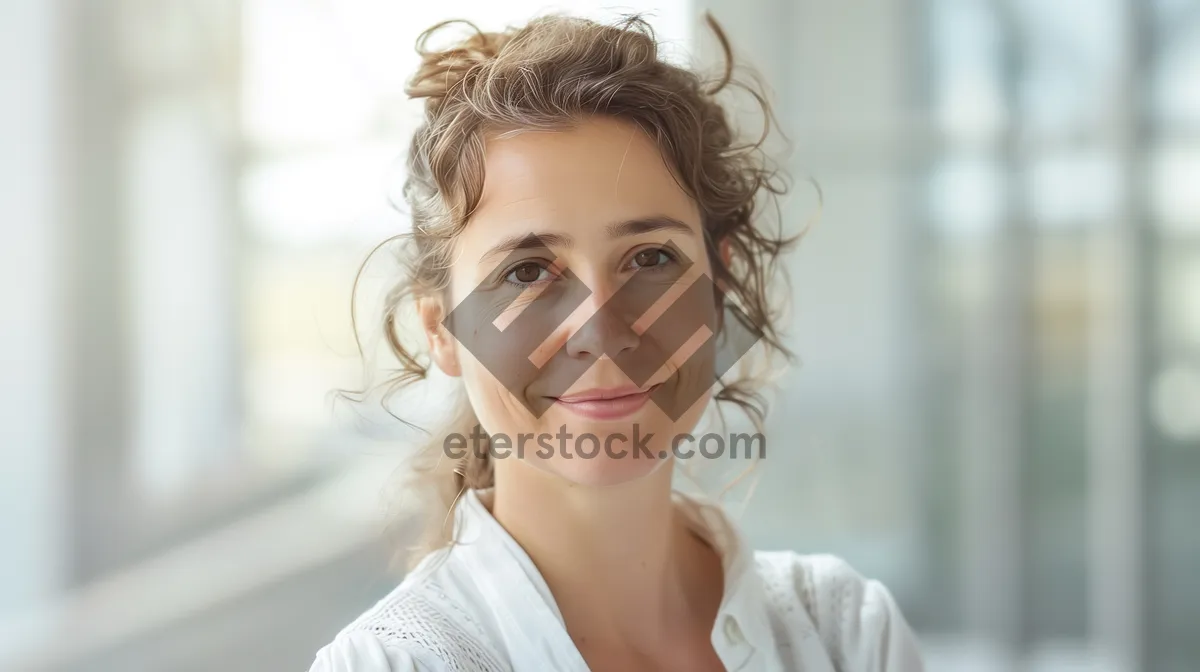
(997, 411)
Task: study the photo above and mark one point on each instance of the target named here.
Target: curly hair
(551, 73)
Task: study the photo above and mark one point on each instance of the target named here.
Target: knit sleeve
(359, 651)
(858, 620)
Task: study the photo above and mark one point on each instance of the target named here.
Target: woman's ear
(442, 347)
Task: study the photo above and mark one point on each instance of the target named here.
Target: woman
(584, 221)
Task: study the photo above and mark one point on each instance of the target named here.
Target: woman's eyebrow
(530, 241)
(634, 227)
(547, 240)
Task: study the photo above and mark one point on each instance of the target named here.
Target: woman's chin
(603, 470)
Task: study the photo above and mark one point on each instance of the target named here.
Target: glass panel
(180, 233)
(1068, 52)
(1173, 384)
(1174, 499)
(1072, 190)
(299, 84)
(966, 194)
(1055, 499)
(1179, 296)
(1174, 196)
(310, 199)
(1175, 97)
(179, 217)
(1175, 402)
(298, 349)
(161, 42)
(965, 58)
(1172, 12)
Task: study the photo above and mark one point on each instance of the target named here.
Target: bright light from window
(324, 111)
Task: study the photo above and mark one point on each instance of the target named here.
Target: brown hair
(551, 73)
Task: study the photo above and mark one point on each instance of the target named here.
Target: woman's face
(581, 243)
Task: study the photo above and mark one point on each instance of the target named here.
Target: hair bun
(441, 70)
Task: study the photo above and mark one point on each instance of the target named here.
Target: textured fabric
(482, 606)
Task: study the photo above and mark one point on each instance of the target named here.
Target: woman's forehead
(577, 180)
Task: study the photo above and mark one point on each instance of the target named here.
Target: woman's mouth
(606, 403)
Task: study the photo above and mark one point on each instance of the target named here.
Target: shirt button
(733, 632)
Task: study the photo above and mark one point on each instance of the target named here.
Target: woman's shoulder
(811, 578)
(856, 617)
(425, 624)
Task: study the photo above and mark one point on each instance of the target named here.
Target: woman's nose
(605, 329)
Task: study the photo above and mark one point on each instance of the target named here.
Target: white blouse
(481, 605)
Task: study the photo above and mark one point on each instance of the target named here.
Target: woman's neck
(621, 561)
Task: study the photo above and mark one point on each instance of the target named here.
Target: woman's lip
(604, 393)
(606, 404)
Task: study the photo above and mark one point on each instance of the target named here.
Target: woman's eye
(650, 258)
(527, 274)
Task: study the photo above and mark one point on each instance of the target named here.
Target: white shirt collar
(742, 630)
